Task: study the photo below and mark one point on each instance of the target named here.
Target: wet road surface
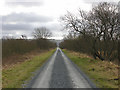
(60, 72)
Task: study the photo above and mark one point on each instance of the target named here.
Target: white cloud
(34, 13)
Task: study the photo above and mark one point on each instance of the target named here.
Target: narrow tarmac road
(60, 72)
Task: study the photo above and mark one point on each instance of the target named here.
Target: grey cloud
(25, 17)
(26, 22)
(22, 22)
(16, 34)
(18, 26)
(25, 3)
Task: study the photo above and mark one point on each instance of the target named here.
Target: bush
(21, 46)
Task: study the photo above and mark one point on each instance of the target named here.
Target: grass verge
(104, 74)
(15, 76)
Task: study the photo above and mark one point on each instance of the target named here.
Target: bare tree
(103, 21)
(42, 33)
(99, 26)
(76, 23)
(71, 35)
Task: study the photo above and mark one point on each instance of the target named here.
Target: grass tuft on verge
(15, 76)
(103, 73)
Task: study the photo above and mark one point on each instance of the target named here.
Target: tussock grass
(103, 73)
(15, 76)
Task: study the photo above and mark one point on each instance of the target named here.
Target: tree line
(95, 32)
(11, 46)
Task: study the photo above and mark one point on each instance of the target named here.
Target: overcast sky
(22, 16)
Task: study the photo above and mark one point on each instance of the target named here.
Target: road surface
(60, 72)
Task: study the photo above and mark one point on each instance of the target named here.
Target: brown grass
(18, 58)
(103, 73)
(15, 75)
